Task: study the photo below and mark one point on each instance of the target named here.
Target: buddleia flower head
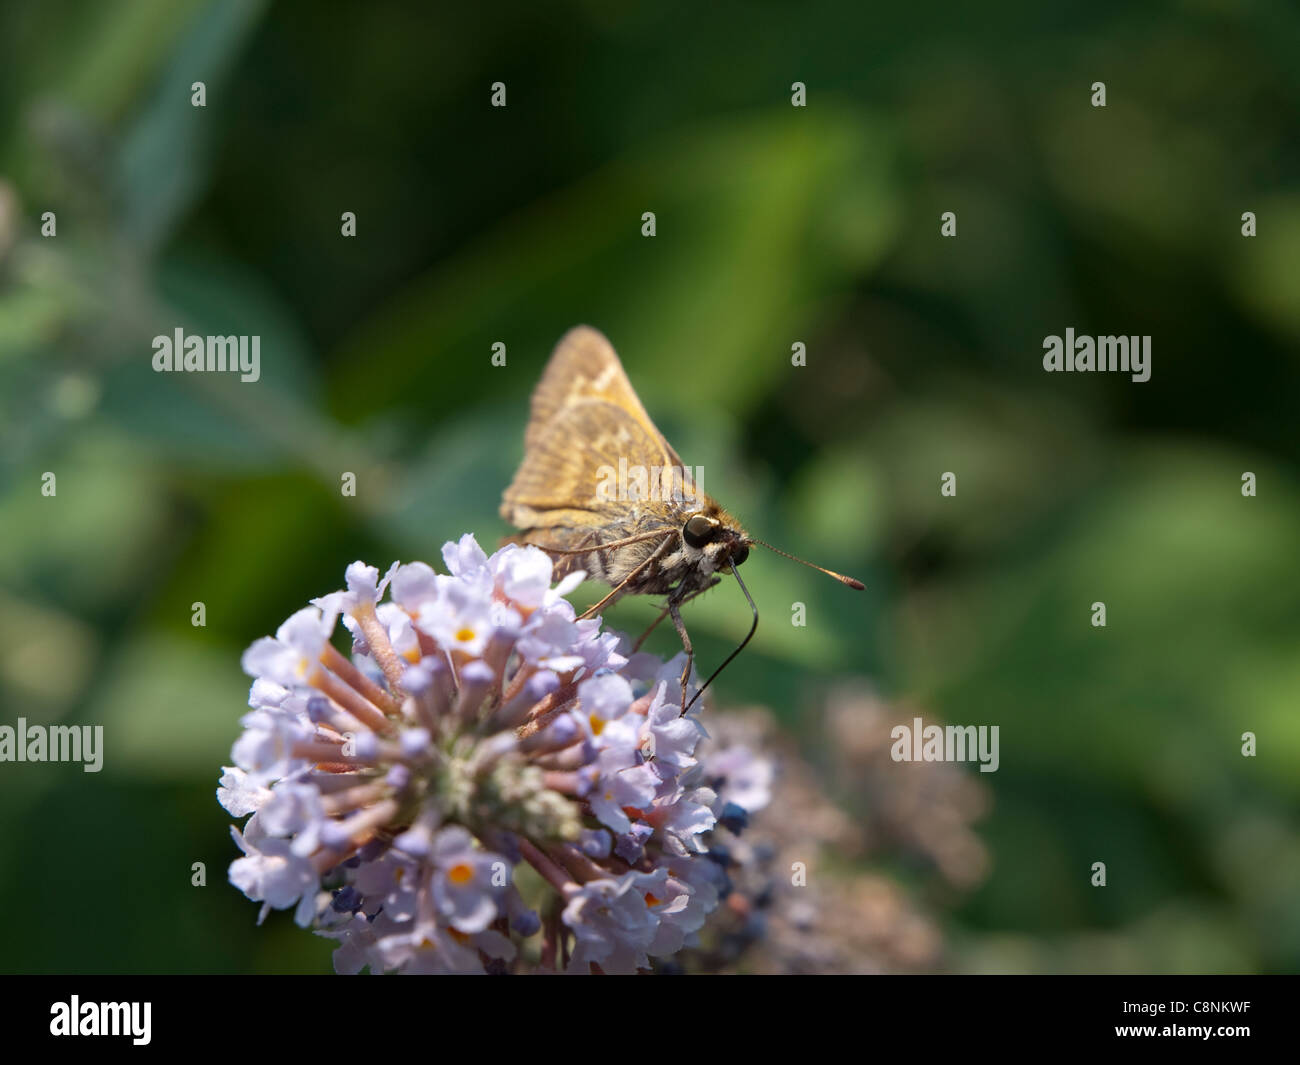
(476, 726)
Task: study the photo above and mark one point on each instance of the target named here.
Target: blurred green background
(775, 225)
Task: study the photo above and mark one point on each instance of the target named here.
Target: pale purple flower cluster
(477, 727)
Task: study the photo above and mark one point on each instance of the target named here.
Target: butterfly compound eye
(698, 531)
(740, 554)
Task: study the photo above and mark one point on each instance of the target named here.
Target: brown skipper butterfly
(601, 490)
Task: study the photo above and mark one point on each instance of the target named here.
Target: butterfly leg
(674, 612)
(618, 588)
(664, 612)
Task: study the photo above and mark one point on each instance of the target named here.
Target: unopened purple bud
(437, 667)
(734, 818)
(429, 683)
(416, 741)
(535, 689)
(476, 675)
(334, 836)
(476, 678)
(559, 734)
(540, 685)
(347, 899)
(500, 644)
(417, 679)
(398, 778)
(365, 746)
(563, 731)
(414, 841)
(318, 709)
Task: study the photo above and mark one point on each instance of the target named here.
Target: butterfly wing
(585, 418)
(584, 366)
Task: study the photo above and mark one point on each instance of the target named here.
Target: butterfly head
(716, 538)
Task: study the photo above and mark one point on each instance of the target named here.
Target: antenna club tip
(850, 581)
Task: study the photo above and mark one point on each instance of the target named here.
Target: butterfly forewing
(583, 367)
(586, 420)
(561, 470)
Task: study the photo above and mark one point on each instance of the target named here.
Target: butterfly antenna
(752, 629)
(850, 581)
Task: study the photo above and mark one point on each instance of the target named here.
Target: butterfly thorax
(678, 566)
